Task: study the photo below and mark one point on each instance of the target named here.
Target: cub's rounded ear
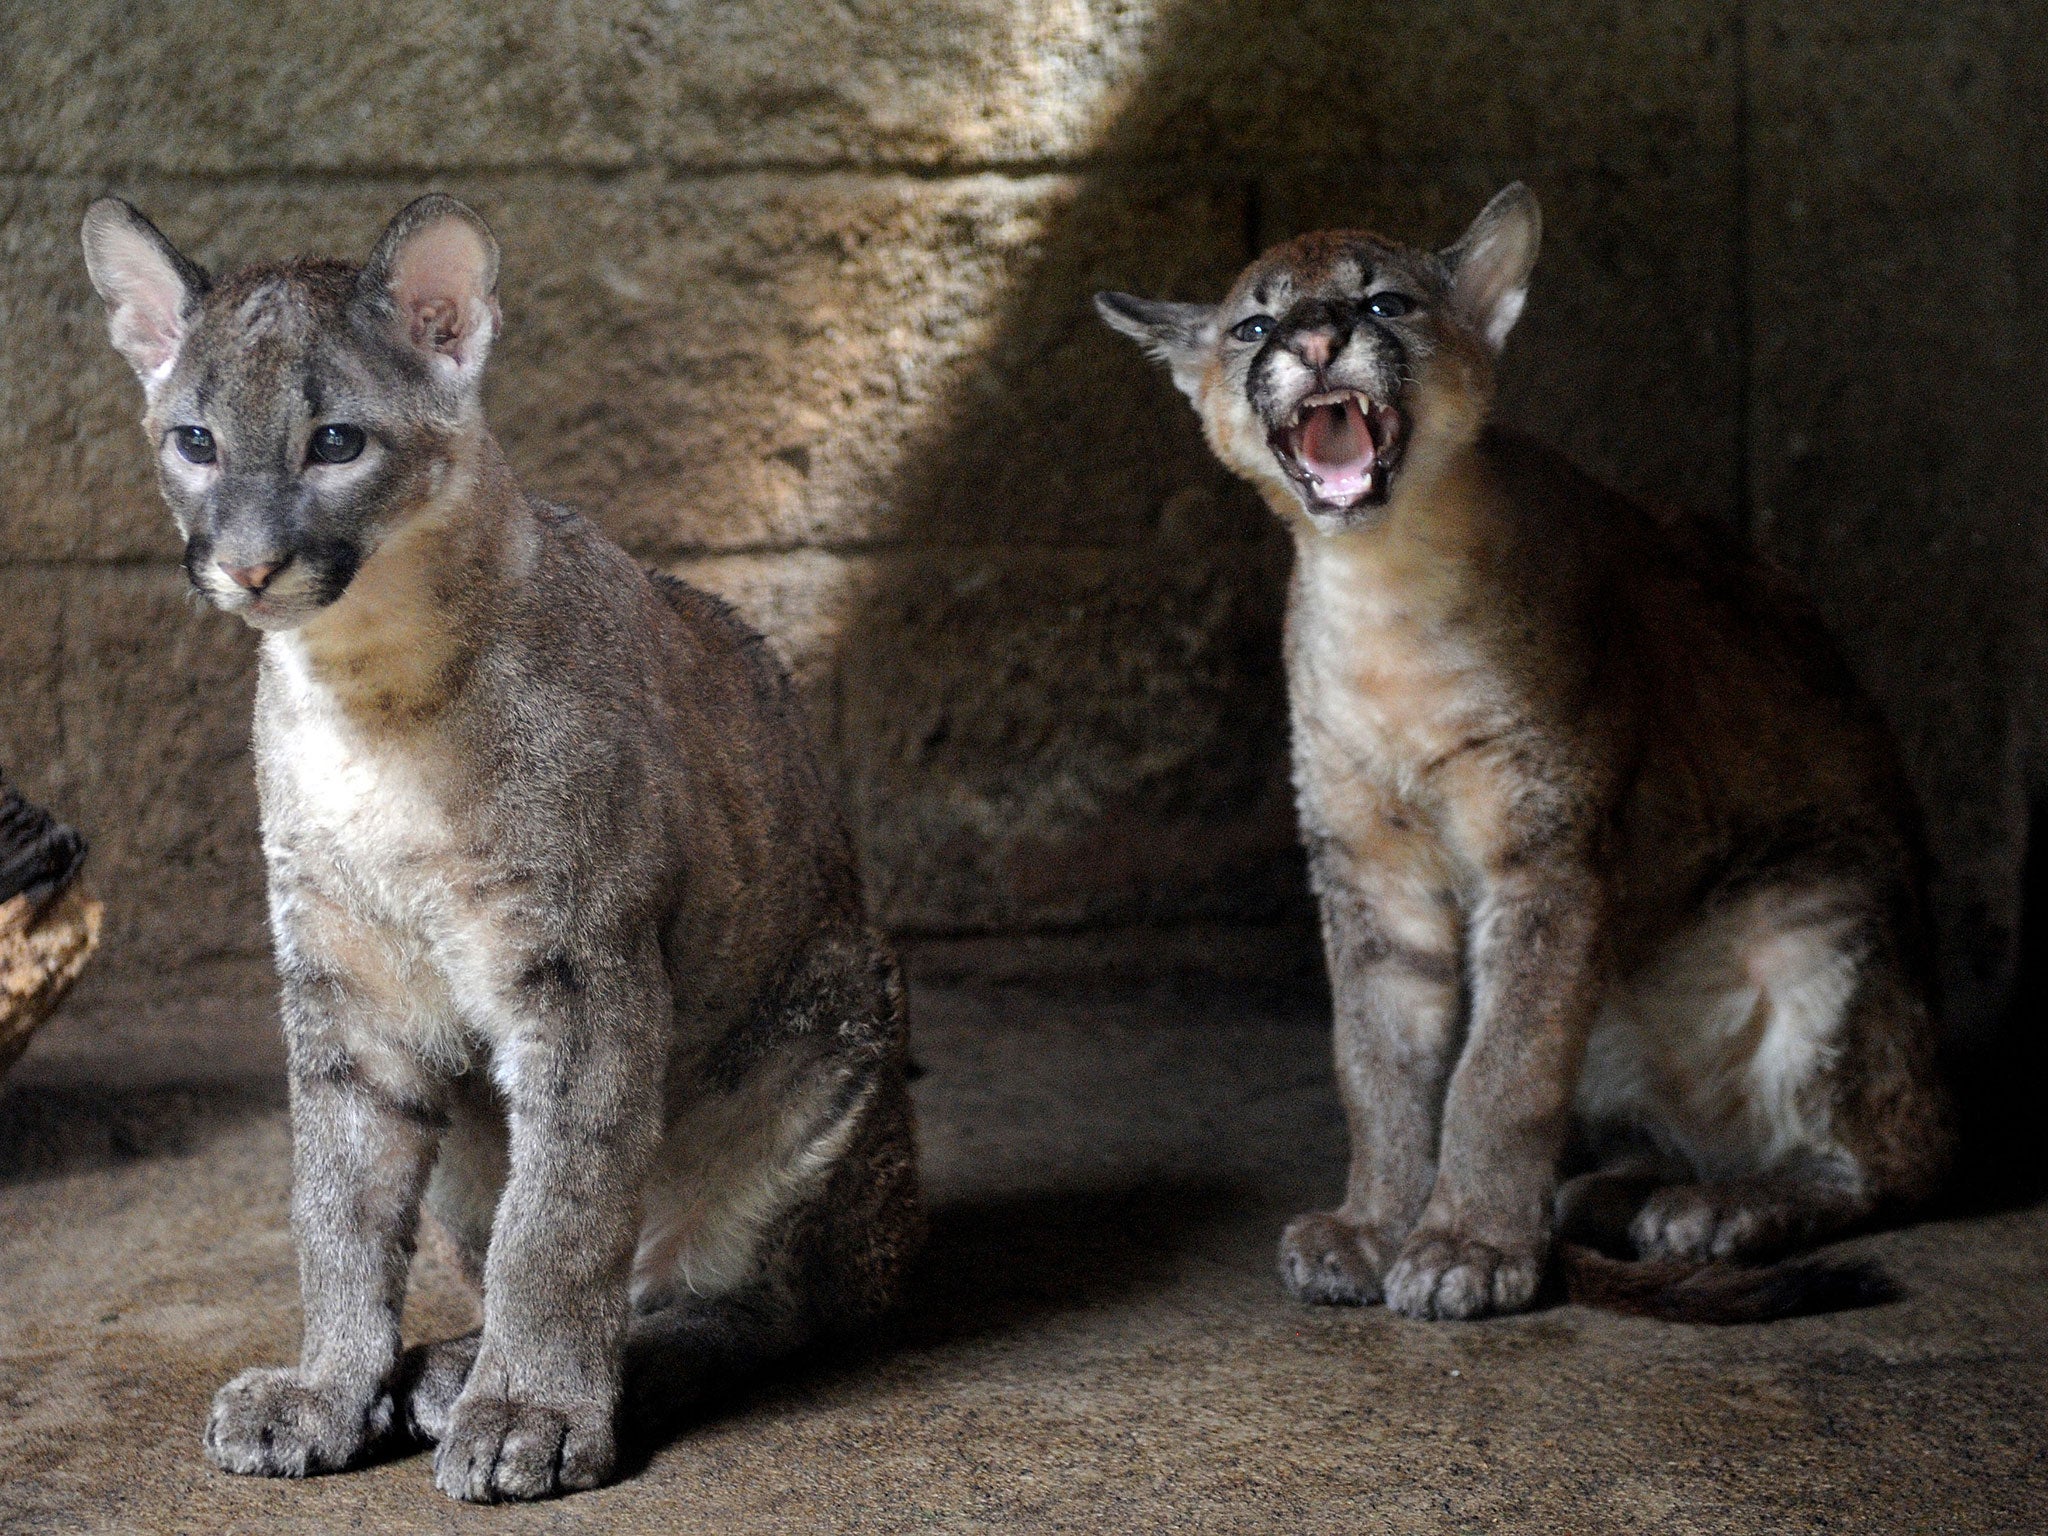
(435, 268)
(1178, 335)
(1491, 263)
(149, 289)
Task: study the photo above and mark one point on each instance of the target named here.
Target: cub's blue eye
(1258, 328)
(335, 444)
(194, 444)
(1390, 306)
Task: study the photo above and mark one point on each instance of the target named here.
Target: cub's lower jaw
(1340, 450)
(271, 616)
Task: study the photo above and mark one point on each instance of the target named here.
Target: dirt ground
(1096, 1341)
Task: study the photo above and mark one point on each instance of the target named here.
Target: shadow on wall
(1066, 707)
(1063, 703)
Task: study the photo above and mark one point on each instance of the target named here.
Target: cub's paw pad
(494, 1448)
(430, 1380)
(275, 1423)
(1699, 1222)
(1328, 1261)
(1440, 1275)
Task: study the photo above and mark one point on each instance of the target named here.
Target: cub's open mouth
(1341, 449)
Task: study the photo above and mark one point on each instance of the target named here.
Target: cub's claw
(494, 1448)
(1441, 1275)
(275, 1423)
(1328, 1261)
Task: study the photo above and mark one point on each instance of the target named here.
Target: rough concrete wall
(796, 305)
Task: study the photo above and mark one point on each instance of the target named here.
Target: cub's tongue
(1335, 445)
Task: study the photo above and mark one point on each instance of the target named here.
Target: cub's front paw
(275, 1423)
(1328, 1261)
(497, 1448)
(1440, 1274)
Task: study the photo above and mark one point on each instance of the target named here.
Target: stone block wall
(796, 304)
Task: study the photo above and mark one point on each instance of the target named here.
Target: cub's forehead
(263, 324)
(276, 309)
(1326, 264)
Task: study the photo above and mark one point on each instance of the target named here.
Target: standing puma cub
(1604, 835)
(570, 933)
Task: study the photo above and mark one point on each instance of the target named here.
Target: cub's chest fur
(1384, 689)
(361, 833)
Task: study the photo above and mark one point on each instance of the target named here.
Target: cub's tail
(1683, 1292)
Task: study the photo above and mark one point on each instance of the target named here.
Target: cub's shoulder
(718, 625)
(1667, 563)
(587, 567)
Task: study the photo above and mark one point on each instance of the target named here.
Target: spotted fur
(570, 933)
(1615, 861)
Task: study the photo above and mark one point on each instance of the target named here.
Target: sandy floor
(1096, 1343)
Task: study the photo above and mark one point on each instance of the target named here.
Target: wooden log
(41, 953)
(48, 926)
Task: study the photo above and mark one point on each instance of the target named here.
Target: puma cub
(1617, 869)
(569, 930)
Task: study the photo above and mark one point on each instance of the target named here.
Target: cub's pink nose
(1314, 347)
(252, 577)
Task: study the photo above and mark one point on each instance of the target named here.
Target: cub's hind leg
(1597, 1207)
(824, 1267)
(1759, 1216)
(1812, 1102)
(469, 1174)
(1391, 938)
(431, 1378)
(462, 1198)
(784, 1209)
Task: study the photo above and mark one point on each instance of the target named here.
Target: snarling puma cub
(1614, 859)
(569, 929)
